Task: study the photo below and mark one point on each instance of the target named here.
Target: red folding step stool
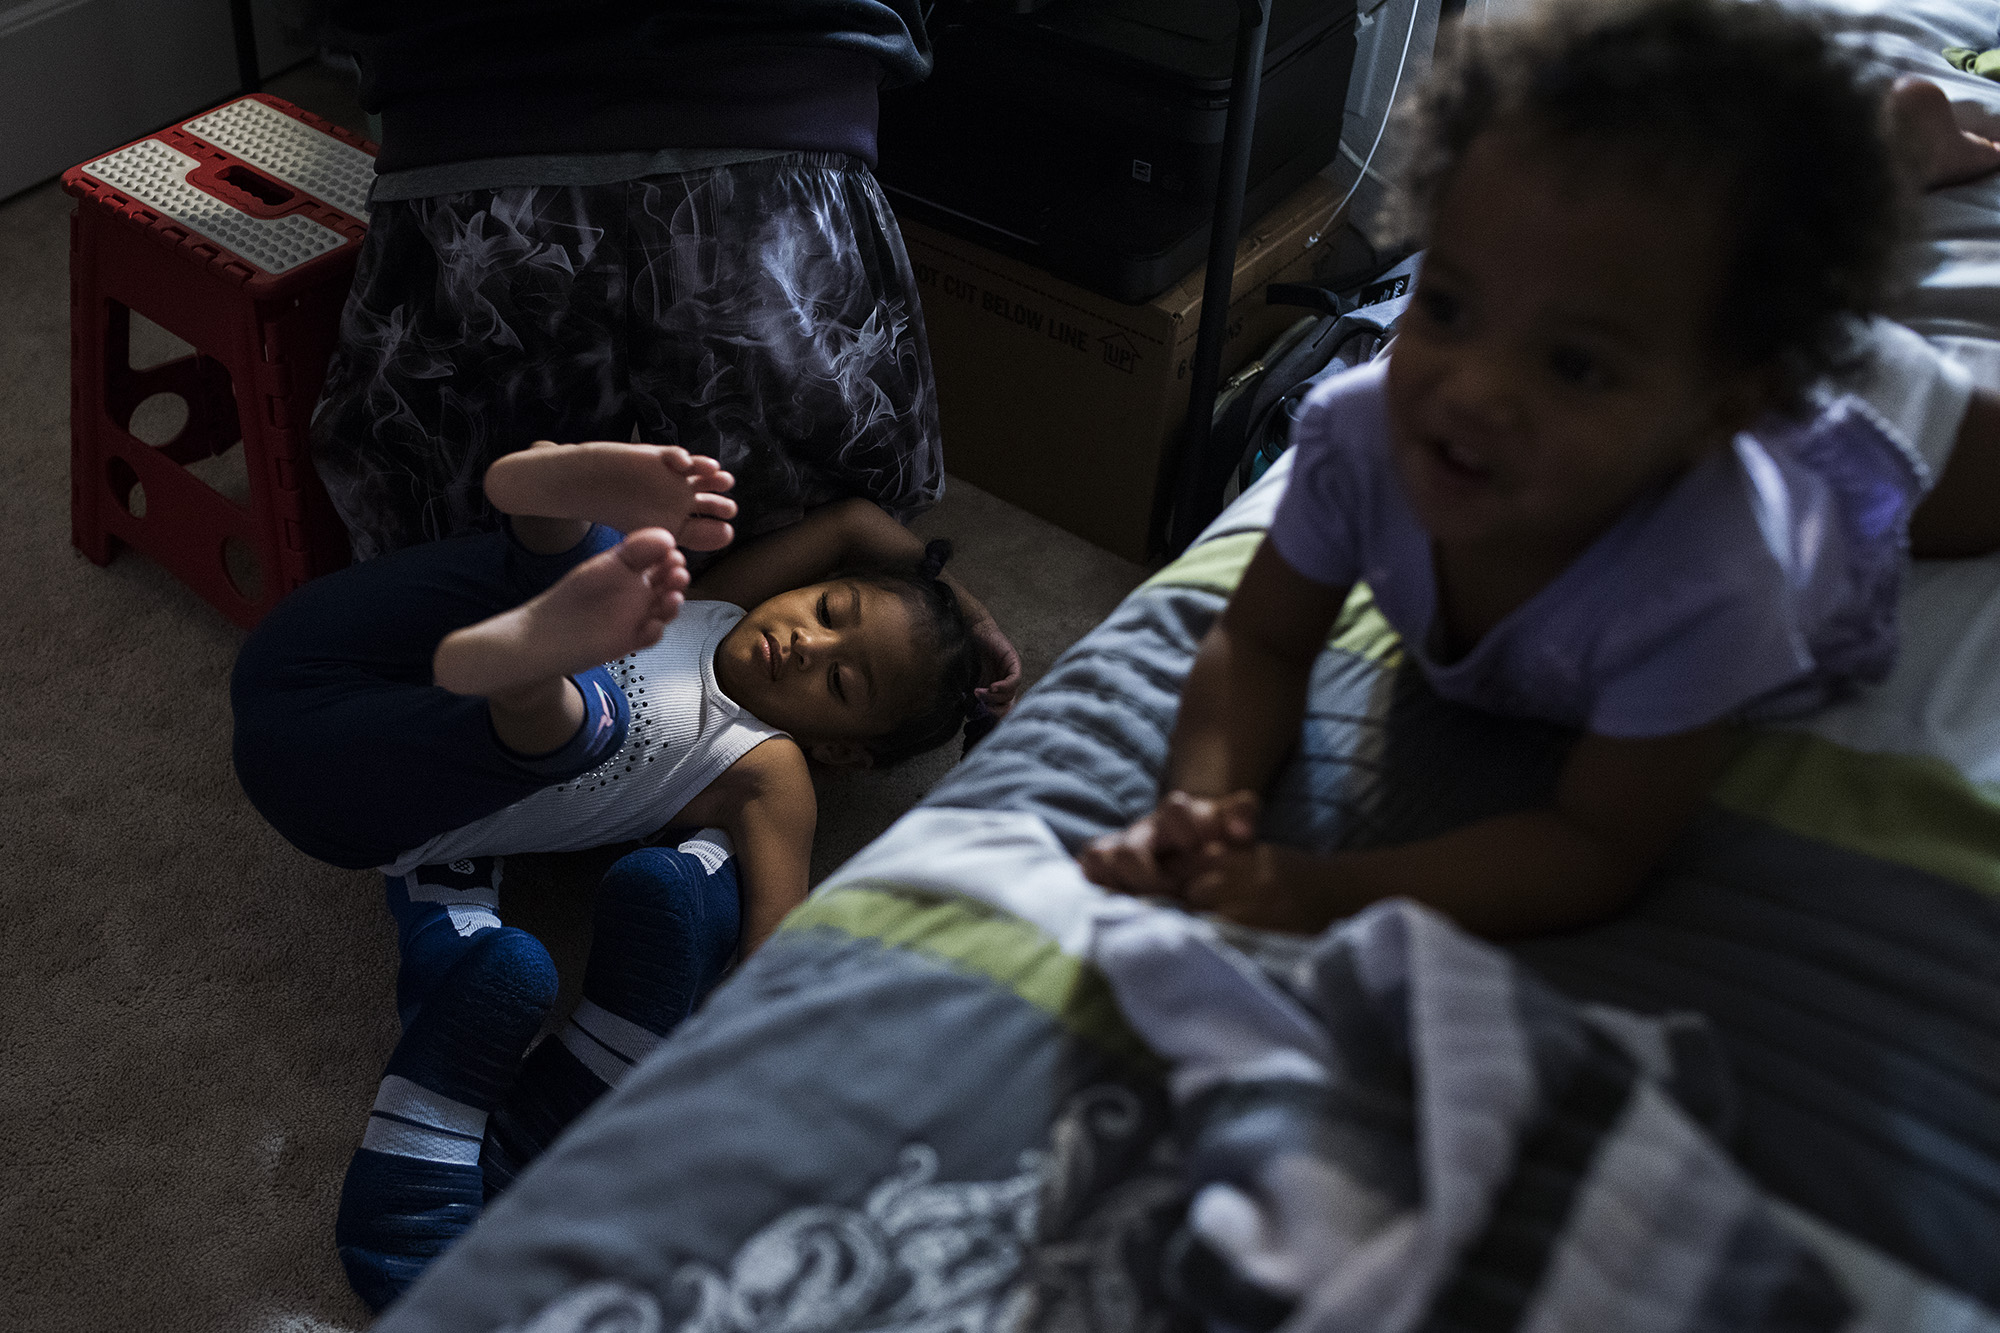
(237, 231)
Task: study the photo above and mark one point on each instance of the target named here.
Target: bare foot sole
(1939, 151)
(614, 603)
(624, 486)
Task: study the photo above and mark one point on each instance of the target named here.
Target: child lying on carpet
(1651, 229)
(555, 687)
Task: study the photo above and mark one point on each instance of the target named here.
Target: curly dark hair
(950, 703)
(1747, 95)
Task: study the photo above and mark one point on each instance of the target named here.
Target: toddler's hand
(1191, 824)
(1128, 861)
(1261, 885)
(1153, 856)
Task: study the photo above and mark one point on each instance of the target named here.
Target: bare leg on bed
(1940, 153)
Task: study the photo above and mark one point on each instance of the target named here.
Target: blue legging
(342, 741)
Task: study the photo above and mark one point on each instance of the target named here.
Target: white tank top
(685, 733)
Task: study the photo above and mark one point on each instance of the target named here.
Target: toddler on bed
(1597, 480)
(439, 708)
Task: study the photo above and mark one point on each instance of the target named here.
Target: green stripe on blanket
(1909, 809)
(1217, 566)
(987, 942)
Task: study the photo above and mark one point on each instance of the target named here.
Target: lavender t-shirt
(1759, 584)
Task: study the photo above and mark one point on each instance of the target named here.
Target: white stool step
(155, 174)
(292, 151)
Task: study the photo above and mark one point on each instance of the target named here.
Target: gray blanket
(934, 1102)
(1855, 998)
(1413, 1133)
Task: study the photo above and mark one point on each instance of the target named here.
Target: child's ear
(842, 754)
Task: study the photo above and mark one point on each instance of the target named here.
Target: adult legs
(773, 322)
(764, 314)
(477, 323)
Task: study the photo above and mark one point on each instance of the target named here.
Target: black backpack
(1256, 406)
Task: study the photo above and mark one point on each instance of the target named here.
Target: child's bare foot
(624, 486)
(612, 604)
(1940, 153)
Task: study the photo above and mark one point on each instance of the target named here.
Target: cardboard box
(1067, 403)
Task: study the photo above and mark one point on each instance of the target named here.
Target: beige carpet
(196, 1015)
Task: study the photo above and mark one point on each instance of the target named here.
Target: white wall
(1393, 55)
(80, 77)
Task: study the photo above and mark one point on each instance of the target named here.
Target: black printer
(1085, 136)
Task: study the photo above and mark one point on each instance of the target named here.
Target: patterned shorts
(763, 313)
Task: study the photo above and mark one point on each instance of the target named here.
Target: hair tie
(935, 554)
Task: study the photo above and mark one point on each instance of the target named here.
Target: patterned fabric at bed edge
(907, 1112)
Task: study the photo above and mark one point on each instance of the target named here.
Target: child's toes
(646, 550)
(707, 527)
(666, 604)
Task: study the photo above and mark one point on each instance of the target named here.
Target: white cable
(1358, 161)
(1416, 6)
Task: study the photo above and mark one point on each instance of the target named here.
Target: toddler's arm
(1240, 713)
(1618, 805)
(837, 536)
(1246, 695)
(846, 532)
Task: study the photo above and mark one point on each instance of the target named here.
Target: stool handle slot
(257, 185)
